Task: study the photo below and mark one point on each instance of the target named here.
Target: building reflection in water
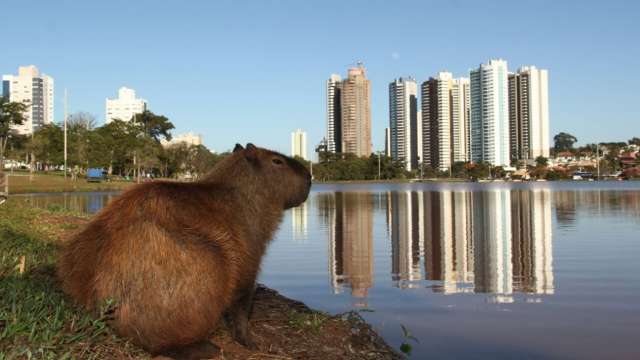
(299, 216)
(448, 242)
(404, 222)
(349, 218)
(496, 241)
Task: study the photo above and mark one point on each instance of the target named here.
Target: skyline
(262, 80)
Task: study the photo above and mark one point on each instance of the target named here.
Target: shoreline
(24, 184)
(30, 238)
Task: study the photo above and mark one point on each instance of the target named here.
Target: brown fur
(175, 256)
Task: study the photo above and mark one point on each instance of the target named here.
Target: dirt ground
(287, 329)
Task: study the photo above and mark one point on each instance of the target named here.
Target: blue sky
(240, 71)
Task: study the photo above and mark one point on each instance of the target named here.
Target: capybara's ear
(252, 154)
(238, 148)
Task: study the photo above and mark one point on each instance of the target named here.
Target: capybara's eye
(277, 161)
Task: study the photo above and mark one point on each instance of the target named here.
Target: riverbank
(25, 183)
(37, 320)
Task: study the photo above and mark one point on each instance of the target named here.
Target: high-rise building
(334, 115)
(387, 142)
(445, 120)
(125, 106)
(460, 135)
(403, 121)
(349, 113)
(36, 91)
(356, 112)
(299, 144)
(490, 113)
(529, 113)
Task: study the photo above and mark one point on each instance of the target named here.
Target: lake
(493, 270)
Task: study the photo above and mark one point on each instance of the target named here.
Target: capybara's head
(283, 179)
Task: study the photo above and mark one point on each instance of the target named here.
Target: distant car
(96, 175)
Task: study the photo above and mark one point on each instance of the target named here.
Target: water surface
(541, 270)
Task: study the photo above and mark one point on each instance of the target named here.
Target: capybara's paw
(247, 342)
(203, 350)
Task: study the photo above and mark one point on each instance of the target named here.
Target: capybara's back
(172, 257)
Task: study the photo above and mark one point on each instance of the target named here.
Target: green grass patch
(37, 321)
(312, 321)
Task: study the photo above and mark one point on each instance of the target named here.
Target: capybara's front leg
(197, 351)
(239, 313)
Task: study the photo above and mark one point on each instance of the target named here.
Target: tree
(428, 172)
(589, 149)
(11, 114)
(564, 142)
(149, 128)
(480, 170)
(79, 128)
(542, 161)
(498, 172)
(204, 160)
(459, 170)
(634, 141)
(47, 145)
(154, 126)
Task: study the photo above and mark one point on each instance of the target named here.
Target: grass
(36, 320)
(312, 321)
(21, 183)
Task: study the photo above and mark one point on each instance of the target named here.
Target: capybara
(173, 257)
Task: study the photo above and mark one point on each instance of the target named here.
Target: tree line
(608, 153)
(125, 148)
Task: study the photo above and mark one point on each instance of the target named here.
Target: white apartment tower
(125, 106)
(529, 113)
(460, 136)
(35, 90)
(445, 120)
(490, 113)
(403, 122)
(334, 115)
(299, 144)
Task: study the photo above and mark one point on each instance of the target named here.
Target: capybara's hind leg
(196, 351)
(239, 314)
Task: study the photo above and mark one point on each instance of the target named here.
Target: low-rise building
(187, 138)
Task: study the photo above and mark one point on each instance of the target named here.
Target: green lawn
(36, 320)
(20, 183)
